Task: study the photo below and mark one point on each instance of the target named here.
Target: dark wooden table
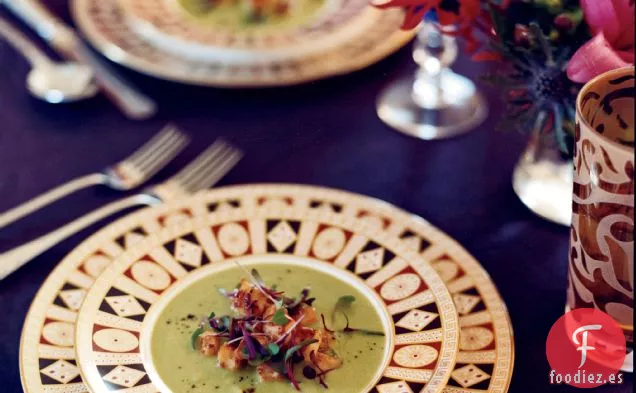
(324, 133)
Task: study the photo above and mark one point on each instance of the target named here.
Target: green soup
(232, 15)
(185, 370)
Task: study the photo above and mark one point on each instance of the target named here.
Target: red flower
(449, 12)
(461, 18)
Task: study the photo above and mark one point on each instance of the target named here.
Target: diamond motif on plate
(416, 320)
(125, 305)
(73, 298)
(394, 387)
(124, 376)
(465, 303)
(188, 253)
(369, 261)
(282, 236)
(61, 371)
(469, 375)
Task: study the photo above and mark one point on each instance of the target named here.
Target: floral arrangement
(548, 48)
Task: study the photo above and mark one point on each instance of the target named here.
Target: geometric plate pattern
(52, 317)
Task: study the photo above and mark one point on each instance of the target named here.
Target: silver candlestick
(437, 103)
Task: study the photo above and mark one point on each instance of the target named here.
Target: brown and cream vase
(601, 259)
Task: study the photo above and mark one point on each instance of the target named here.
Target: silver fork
(207, 169)
(127, 174)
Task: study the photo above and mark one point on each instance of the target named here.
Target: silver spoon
(48, 80)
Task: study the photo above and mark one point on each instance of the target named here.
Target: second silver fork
(202, 173)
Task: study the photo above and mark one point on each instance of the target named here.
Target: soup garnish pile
(273, 333)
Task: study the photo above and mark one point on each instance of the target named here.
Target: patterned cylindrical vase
(601, 259)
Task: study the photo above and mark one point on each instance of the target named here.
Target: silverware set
(202, 173)
(83, 73)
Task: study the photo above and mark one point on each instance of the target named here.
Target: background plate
(104, 25)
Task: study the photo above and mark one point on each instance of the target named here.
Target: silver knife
(69, 45)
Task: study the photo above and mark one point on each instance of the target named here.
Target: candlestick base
(423, 110)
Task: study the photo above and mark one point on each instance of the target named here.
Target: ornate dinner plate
(312, 27)
(167, 46)
(113, 332)
(484, 361)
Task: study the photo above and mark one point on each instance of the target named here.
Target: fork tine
(158, 149)
(218, 173)
(193, 167)
(209, 158)
(148, 147)
(163, 154)
(206, 167)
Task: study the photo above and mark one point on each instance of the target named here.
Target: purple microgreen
(234, 340)
(273, 349)
(249, 343)
(291, 351)
(279, 317)
(195, 336)
(289, 370)
(291, 329)
(322, 373)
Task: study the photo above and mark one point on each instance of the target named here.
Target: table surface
(324, 133)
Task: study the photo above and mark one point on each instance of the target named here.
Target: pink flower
(612, 23)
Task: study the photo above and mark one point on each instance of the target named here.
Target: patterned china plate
(166, 25)
(485, 358)
(233, 60)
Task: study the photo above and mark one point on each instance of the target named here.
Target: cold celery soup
(253, 15)
(353, 356)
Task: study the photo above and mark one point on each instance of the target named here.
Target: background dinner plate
(106, 27)
(47, 357)
(166, 25)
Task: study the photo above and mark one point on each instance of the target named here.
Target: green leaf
(195, 336)
(273, 349)
(291, 351)
(279, 317)
(212, 315)
(345, 301)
